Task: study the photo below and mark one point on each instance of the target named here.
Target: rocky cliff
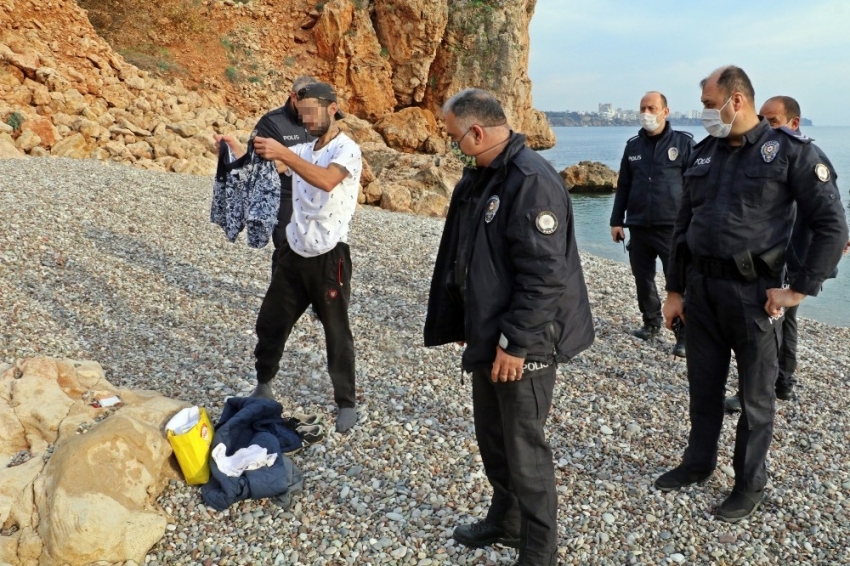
(148, 82)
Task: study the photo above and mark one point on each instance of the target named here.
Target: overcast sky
(587, 52)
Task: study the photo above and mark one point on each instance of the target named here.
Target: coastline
(122, 266)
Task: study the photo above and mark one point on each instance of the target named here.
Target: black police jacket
(508, 265)
(283, 125)
(649, 186)
(741, 199)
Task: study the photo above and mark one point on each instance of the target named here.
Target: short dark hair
(733, 79)
(477, 106)
(792, 107)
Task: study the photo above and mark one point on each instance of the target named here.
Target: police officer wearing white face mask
(649, 190)
(729, 247)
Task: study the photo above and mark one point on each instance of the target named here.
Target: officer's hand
(235, 146)
(506, 367)
(778, 299)
(617, 233)
(846, 248)
(674, 306)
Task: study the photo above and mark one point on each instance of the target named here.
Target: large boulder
(409, 130)
(78, 483)
(589, 177)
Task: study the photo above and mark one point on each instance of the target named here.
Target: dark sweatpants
(645, 245)
(509, 419)
(725, 316)
(325, 282)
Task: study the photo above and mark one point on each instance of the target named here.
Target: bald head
(781, 111)
(653, 112)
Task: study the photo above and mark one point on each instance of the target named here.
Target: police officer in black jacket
(284, 126)
(649, 191)
(729, 252)
(784, 112)
(508, 283)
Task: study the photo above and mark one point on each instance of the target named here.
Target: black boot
(680, 477)
(484, 533)
(647, 332)
(732, 404)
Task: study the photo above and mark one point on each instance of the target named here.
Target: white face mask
(714, 124)
(649, 122)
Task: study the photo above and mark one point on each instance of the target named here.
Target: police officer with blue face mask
(729, 246)
(649, 190)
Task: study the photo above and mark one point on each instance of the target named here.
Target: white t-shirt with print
(320, 218)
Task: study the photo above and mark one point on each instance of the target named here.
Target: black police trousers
(509, 419)
(725, 316)
(284, 216)
(788, 351)
(325, 282)
(645, 245)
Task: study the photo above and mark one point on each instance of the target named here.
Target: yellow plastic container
(192, 445)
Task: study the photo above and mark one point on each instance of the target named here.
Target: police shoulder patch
(822, 172)
(546, 222)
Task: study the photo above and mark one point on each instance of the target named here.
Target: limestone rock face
(345, 36)
(409, 130)
(83, 482)
(589, 177)
(486, 44)
(411, 32)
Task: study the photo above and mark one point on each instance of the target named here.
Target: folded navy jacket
(246, 421)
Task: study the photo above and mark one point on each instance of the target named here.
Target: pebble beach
(122, 266)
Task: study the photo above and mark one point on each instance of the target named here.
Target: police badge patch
(546, 222)
(822, 171)
(492, 209)
(769, 150)
(673, 153)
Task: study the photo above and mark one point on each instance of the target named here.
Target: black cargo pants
(323, 281)
(509, 419)
(724, 316)
(788, 351)
(645, 245)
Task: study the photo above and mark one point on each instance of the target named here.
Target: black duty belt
(716, 267)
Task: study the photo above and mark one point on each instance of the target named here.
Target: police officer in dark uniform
(649, 191)
(729, 253)
(508, 282)
(284, 126)
(784, 112)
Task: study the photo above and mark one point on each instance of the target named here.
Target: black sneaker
(647, 332)
(732, 404)
(484, 533)
(739, 505)
(679, 477)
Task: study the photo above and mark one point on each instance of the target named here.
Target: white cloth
(320, 218)
(243, 460)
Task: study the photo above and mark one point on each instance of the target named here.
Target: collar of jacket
(667, 129)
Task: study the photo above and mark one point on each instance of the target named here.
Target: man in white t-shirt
(315, 267)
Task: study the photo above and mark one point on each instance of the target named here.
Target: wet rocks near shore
(590, 177)
(122, 266)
